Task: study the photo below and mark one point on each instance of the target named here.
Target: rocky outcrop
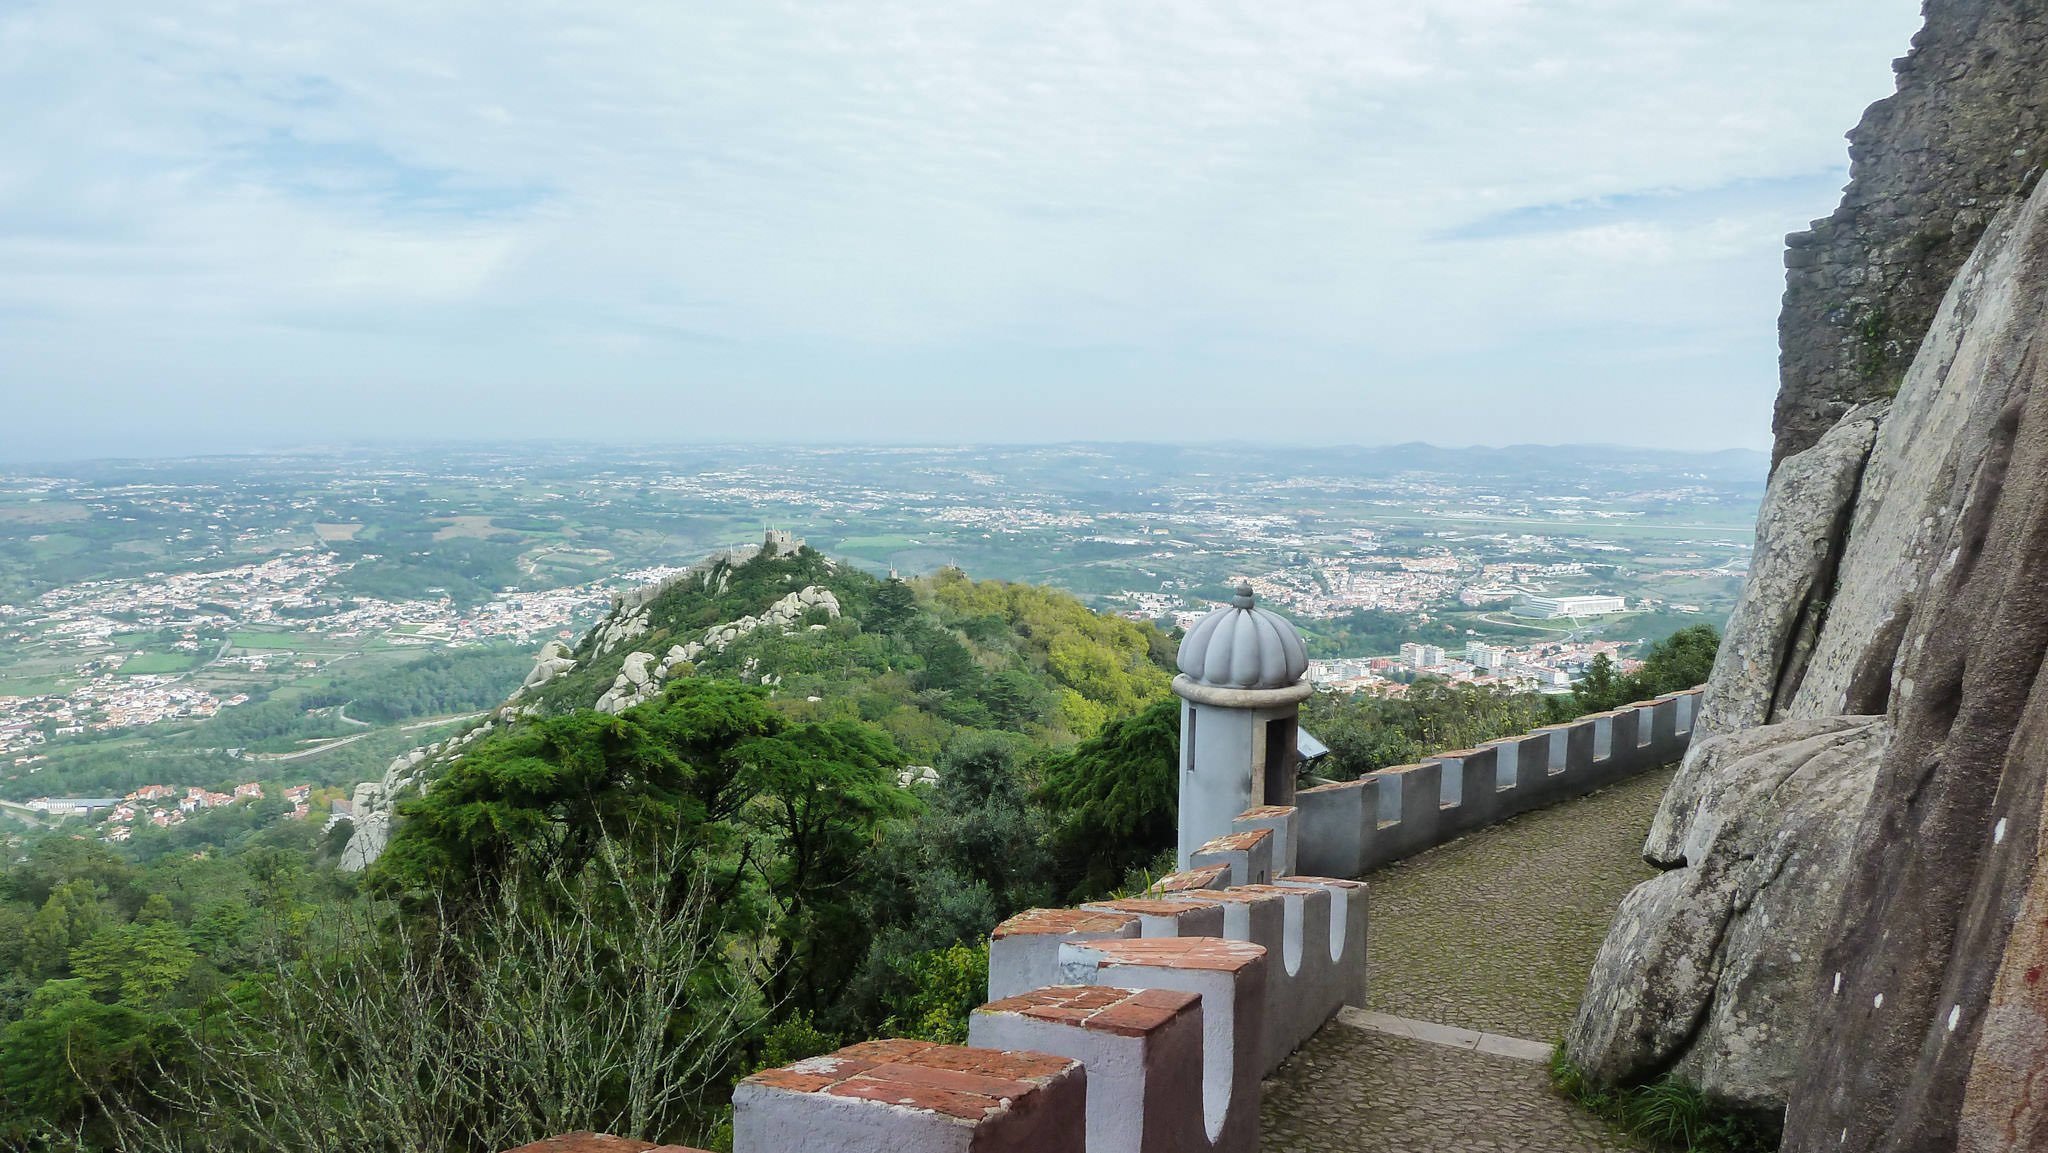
(1933, 439)
(552, 661)
(783, 616)
(374, 804)
(1930, 167)
(641, 677)
(1923, 1040)
(1798, 541)
(1692, 975)
(1854, 921)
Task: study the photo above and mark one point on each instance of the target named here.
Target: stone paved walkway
(1495, 933)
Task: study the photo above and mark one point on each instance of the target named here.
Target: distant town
(182, 622)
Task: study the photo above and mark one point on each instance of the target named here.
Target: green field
(267, 640)
(34, 686)
(884, 543)
(158, 663)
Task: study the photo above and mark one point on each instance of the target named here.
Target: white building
(1417, 656)
(1485, 656)
(1586, 606)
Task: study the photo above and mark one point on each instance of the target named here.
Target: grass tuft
(1668, 1112)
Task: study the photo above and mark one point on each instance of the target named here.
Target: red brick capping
(951, 1080)
(1144, 907)
(1340, 882)
(1212, 953)
(1062, 921)
(584, 1141)
(1269, 890)
(1201, 878)
(1265, 812)
(1125, 1012)
(1236, 842)
(1335, 785)
(1248, 894)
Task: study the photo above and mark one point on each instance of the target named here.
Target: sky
(231, 226)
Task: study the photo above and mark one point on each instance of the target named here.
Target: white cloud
(889, 210)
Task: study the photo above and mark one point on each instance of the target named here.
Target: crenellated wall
(1355, 826)
(1146, 1025)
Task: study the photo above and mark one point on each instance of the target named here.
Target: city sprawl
(218, 619)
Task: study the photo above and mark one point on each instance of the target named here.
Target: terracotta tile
(1005, 1064)
(1269, 890)
(1340, 882)
(1180, 953)
(965, 1106)
(1240, 894)
(1236, 842)
(1265, 812)
(1144, 907)
(1130, 1020)
(585, 1141)
(951, 1080)
(1062, 921)
(1171, 999)
(1200, 878)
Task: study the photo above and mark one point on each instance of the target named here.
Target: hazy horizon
(573, 445)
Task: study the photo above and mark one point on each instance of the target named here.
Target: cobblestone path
(1495, 932)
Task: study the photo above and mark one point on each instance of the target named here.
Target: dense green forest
(598, 921)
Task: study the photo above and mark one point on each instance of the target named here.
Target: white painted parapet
(1284, 822)
(915, 1097)
(1349, 828)
(1257, 915)
(1347, 934)
(1248, 855)
(1339, 827)
(1303, 988)
(1024, 951)
(1142, 1050)
(1230, 977)
(1187, 917)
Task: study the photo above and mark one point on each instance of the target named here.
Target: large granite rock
(1692, 974)
(1935, 1028)
(1919, 476)
(1799, 534)
(1929, 168)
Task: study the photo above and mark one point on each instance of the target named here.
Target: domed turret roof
(1243, 647)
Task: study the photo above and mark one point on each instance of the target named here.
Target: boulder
(1709, 967)
(1798, 536)
(1715, 779)
(635, 668)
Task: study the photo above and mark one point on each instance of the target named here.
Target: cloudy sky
(229, 225)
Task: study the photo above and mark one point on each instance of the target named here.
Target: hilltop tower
(1241, 684)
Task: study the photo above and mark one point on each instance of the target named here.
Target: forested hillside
(599, 919)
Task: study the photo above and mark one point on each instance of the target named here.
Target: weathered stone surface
(1945, 855)
(1798, 538)
(1716, 778)
(2003, 1106)
(1654, 976)
(1929, 168)
(1709, 967)
(1794, 861)
(1919, 477)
